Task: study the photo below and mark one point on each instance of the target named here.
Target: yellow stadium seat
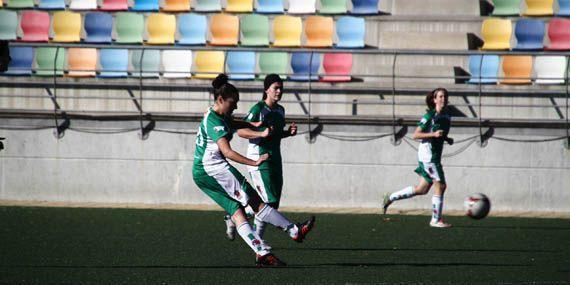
(287, 31)
(224, 30)
(496, 34)
(66, 27)
(161, 28)
(517, 69)
(208, 64)
(176, 5)
(539, 8)
(81, 62)
(239, 6)
(319, 31)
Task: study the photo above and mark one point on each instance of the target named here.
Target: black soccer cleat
(304, 229)
(268, 260)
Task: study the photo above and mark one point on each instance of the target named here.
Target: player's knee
(421, 190)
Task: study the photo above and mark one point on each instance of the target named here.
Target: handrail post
(567, 92)
(396, 135)
(145, 130)
(59, 131)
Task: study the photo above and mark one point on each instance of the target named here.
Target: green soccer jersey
(275, 117)
(430, 150)
(208, 158)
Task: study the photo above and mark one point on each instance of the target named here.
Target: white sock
(405, 193)
(249, 211)
(269, 215)
(259, 227)
(229, 222)
(437, 204)
(251, 238)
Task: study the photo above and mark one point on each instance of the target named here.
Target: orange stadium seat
(224, 30)
(517, 69)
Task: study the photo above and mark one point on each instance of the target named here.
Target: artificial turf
(87, 245)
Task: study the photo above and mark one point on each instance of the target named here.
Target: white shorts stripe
(257, 182)
(232, 186)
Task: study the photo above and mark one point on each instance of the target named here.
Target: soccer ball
(477, 206)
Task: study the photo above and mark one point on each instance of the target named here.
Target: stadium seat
(20, 4)
(150, 63)
(145, 6)
(207, 6)
(302, 6)
(129, 28)
(254, 30)
(333, 7)
(239, 6)
(22, 60)
(350, 32)
(485, 71)
(98, 27)
(559, 34)
(496, 34)
(337, 66)
(114, 5)
(66, 27)
(46, 61)
(177, 63)
(8, 25)
(273, 62)
(114, 63)
(161, 28)
(241, 65)
(506, 8)
(287, 31)
(81, 62)
(208, 64)
(192, 29)
(176, 6)
(52, 5)
(35, 26)
(564, 8)
(550, 69)
(224, 30)
(319, 31)
(83, 5)
(539, 8)
(304, 68)
(529, 34)
(364, 7)
(269, 6)
(517, 69)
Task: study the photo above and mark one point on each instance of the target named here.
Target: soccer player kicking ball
(224, 184)
(432, 130)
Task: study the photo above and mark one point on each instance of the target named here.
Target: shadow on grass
(513, 227)
(423, 250)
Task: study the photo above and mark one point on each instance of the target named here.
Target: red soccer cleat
(304, 229)
(268, 260)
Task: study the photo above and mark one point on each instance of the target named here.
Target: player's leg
(437, 199)
(408, 192)
(268, 184)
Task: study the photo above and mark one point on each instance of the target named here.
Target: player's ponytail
(223, 88)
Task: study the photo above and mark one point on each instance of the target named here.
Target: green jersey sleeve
(254, 113)
(217, 128)
(425, 122)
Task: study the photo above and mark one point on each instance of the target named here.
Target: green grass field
(75, 245)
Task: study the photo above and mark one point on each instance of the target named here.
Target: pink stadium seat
(115, 5)
(559, 34)
(35, 26)
(337, 67)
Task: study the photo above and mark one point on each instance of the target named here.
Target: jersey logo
(219, 129)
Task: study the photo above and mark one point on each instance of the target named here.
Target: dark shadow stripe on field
(145, 266)
(421, 249)
(515, 228)
(421, 264)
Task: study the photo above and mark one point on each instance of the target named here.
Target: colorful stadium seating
(550, 69)
(350, 32)
(241, 65)
(333, 7)
(506, 8)
(114, 63)
(319, 31)
(483, 71)
(305, 66)
(8, 25)
(177, 63)
(207, 6)
(287, 31)
(273, 62)
(559, 34)
(208, 64)
(83, 5)
(239, 6)
(115, 5)
(564, 8)
(150, 63)
(539, 8)
(35, 26)
(129, 27)
(337, 66)
(52, 5)
(98, 27)
(176, 6)
(517, 69)
(20, 4)
(46, 61)
(145, 6)
(529, 34)
(496, 34)
(254, 30)
(66, 27)
(81, 62)
(269, 6)
(364, 7)
(192, 29)
(302, 6)
(161, 28)
(22, 60)
(224, 30)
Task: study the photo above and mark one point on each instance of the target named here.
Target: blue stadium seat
(207, 6)
(564, 8)
(52, 5)
(241, 65)
(98, 27)
(302, 66)
(22, 60)
(192, 29)
(145, 5)
(350, 32)
(269, 6)
(365, 7)
(489, 68)
(529, 34)
(114, 63)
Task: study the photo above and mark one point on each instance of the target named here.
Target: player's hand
(293, 129)
(438, 134)
(261, 159)
(267, 132)
(449, 140)
(256, 124)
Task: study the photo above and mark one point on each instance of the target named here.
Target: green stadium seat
(254, 30)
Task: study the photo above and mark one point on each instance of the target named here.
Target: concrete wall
(121, 168)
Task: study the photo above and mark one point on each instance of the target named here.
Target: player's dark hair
(223, 88)
(268, 81)
(431, 96)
